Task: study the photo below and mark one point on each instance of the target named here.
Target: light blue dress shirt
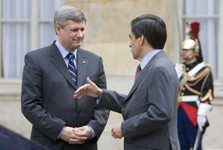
(64, 53)
(148, 57)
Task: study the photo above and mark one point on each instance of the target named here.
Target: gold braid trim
(202, 87)
(200, 74)
(208, 96)
(195, 82)
(192, 90)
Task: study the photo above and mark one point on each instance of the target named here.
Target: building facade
(29, 26)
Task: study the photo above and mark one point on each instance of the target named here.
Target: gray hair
(66, 13)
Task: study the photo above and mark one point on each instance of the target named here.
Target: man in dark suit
(150, 108)
(50, 78)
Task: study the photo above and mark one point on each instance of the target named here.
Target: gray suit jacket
(150, 108)
(47, 97)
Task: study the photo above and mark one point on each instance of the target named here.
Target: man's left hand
(116, 131)
(83, 133)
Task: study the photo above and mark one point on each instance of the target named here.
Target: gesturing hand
(89, 89)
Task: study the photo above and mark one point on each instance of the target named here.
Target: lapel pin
(84, 62)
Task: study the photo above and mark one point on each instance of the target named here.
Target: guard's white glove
(203, 109)
(181, 73)
(179, 70)
(201, 120)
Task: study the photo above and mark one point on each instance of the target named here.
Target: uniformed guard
(195, 93)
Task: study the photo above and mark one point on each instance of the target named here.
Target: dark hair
(152, 27)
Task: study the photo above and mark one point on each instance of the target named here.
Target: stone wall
(108, 27)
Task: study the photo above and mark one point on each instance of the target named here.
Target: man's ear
(57, 29)
(141, 40)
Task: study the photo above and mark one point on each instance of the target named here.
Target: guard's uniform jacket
(198, 89)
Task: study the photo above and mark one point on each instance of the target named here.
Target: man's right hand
(89, 89)
(68, 135)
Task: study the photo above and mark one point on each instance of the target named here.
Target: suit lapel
(138, 81)
(143, 74)
(58, 61)
(82, 64)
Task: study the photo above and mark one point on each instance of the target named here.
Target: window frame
(35, 22)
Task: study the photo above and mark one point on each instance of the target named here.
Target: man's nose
(80, 34)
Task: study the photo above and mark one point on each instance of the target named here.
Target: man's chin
(77, 45)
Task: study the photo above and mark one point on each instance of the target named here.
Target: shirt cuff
(60, 133)
(98, 100)
(92, 133)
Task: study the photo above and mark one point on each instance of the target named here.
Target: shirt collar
(63, 51)
(148, 57)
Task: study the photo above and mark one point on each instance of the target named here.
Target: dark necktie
(71, 67)
(138, 71)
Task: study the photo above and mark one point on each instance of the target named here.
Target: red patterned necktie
(138, 71)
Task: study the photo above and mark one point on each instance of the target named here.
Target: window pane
(15, 44)
(16, 9)
(201, 7)
(46, 27)
(206, 13)
(47, 34)
(47, 8)
(15, 36)
(209, 42)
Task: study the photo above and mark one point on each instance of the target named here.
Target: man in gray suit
(48, 86)
(150, 108)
